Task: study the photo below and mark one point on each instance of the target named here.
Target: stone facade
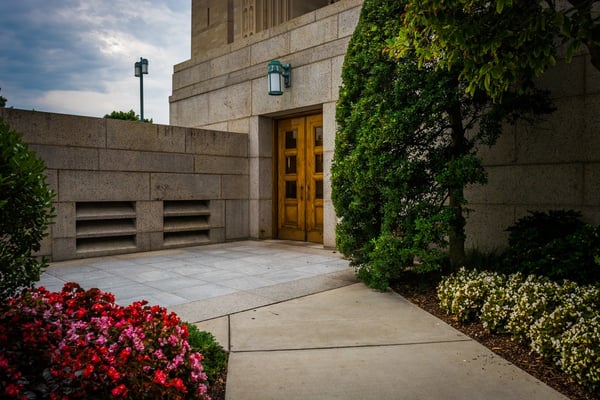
(125, 186)
(225, 89)
(554, 164)
(216, 23)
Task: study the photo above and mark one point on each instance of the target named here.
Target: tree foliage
(2, 101)
(500, 45)
(126, 116)
(25, 213)
(405, 149)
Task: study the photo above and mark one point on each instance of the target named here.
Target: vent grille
(105, 226)
(186, 222)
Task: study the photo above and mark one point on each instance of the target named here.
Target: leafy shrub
(483, 260)
(402, 153)
(215, 357)
(387, 258)
(556, 244)
(393, 152)
(561, 322)
(25, 213)
(79, 344)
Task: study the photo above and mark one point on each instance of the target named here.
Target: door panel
(300, 178)
(291, 177)
(314, 178)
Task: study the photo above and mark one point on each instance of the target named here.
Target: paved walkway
(299, 326)
(207, 281)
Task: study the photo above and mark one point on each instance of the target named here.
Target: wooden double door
(300, 178)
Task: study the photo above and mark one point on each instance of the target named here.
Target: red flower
(113, 374)
(119, 391)
(178, 384)
(160, 377)
(12, 390)
(88, 370)
(125, 354)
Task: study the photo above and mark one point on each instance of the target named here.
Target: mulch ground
(216, 391)
(421, 291)
(423, 294)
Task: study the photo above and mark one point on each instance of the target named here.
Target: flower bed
(80, 344)
(561, 322)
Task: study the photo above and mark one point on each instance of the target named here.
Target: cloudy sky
(77, 56)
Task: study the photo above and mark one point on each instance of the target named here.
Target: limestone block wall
(553, 164)
(125, 186)
(223, 88)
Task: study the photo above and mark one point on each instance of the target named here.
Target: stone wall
(216, 23)
(553, 164)
(226, 89)
(124, 186)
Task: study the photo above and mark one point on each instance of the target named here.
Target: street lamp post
(141, 68)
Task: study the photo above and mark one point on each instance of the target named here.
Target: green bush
(25, 213)
(393, 152)
(215, 357)
(405, 149)
(559, 321)
(483, 260)
(555, 244)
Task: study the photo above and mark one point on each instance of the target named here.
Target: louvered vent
(105, 226)
(186, 222)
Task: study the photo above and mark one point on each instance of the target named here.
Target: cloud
(75, 56)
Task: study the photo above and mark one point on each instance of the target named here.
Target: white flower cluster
(463, 294)
(560, 322)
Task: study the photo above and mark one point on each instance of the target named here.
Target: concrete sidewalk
(356, 343)
(299, 326)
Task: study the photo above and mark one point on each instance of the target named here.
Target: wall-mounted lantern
(275, 71)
